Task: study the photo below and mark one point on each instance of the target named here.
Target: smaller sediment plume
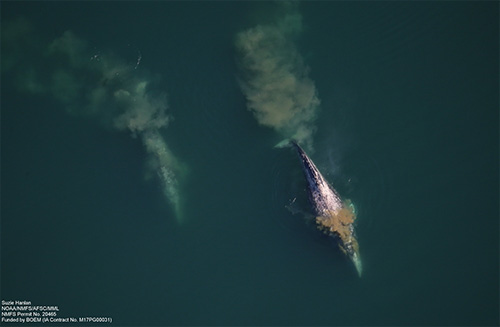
(99, 85)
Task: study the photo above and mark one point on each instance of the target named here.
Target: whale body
(333, 216)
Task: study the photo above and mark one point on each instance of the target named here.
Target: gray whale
(333, 216)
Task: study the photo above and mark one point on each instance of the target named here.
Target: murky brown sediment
(339, 223)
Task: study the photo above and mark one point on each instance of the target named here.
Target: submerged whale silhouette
(333, 216)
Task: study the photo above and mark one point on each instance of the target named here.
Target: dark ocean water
(407, 129)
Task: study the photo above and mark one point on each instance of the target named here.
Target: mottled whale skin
(334, 216)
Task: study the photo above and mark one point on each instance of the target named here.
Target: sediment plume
(95, 84)
(274, 77)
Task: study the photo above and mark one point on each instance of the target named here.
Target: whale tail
(357, 263)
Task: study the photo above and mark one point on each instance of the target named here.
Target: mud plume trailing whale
(333, 216)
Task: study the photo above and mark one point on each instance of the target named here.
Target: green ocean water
(407, 129)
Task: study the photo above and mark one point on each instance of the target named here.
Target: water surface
(407, 128)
